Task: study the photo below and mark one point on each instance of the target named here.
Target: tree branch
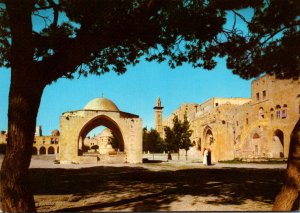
(55, 11)
(241, 16)
(74, 51)
(278, 31)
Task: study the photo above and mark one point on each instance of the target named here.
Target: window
(247, 120)
(264, 94)
(272, 113)
(278, 111)
(237, 123)
(261, 113)
(257, 96)
(283, 114)
(278, 114)
(217, 104)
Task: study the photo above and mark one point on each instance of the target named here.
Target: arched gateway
(75, 125)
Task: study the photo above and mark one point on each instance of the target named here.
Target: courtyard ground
(164, 186)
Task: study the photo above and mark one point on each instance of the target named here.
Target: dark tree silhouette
(97, 36)
(178, 137)
(152, 141)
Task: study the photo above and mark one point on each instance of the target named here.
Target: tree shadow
(140, 189)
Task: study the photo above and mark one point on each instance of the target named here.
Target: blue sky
(135, 91)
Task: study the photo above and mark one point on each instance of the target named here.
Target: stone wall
(259, 127)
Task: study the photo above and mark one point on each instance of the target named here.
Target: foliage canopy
(97, 36)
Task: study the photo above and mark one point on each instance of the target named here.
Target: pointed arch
(101, 120)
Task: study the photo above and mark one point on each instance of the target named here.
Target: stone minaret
(158, 117)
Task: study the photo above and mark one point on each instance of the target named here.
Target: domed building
(102, 104)
(105, 139)
(75, 125)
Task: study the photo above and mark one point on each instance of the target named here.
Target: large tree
(185, 142)
(178, 137)
(270, 44)
(81, 37)
(152, 141)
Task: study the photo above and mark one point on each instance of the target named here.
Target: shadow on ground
(143, 190)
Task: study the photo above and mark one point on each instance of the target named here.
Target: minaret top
(158, 104)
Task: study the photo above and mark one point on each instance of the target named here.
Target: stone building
(246, 128)
(46, 145)
(42, 145)
(75, 125)
(103, 141)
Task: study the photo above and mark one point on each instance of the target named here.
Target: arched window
(261, 113)
(50, 150)
(255, 136)
(272, 113)
(284, 111)
(278, 111)
(42, 150)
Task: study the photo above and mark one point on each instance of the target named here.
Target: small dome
(101, 104)
(106, 133)
(55, 132)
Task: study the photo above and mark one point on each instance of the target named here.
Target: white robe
(205, 157)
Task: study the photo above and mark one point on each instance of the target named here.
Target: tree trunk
(24, 100)
(286, 199)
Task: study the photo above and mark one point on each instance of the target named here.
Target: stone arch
(208, 136)
(261, 113)
(101, 120)
(51, 150)
(278, 144)
(255, 135)
(34, 151)
(42, 150)
(257, 142)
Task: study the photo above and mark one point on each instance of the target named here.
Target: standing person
(208, 157)
(169, 156)
(205, 154)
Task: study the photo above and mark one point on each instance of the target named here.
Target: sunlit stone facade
(248, 128)
(75, 125)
